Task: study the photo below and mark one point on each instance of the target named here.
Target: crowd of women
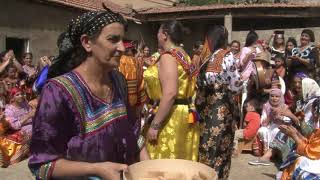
(18, 104)
(103, 106)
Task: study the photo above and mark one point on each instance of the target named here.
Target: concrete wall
(265, 34)
(198, 31)
(39, 23)
(305, 1)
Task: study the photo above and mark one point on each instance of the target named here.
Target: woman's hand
(265, 123)
(287, 112)
(152, 134)
(202, 176)
(295, 58)
(109, 170)
(144, 154)
(288, 130)
(252, 53)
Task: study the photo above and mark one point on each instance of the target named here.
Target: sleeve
(314, 57)
(230, 74)
(251, 129)
(264, 115)
(243, 54)
(310, 148)
(141, 93)
(52, 129)
(13, 121)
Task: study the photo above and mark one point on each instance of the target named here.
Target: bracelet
(155, 125)
(141, 141)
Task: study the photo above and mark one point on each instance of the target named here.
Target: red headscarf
(14, 91)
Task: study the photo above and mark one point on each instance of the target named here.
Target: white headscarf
(310, 89)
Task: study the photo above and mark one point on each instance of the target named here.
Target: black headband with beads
(69, 43)
(91, 22)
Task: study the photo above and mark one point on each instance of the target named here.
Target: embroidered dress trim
(45, 171)
(182, 59)
(93, 121)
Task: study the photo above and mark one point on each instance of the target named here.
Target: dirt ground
(240, 170)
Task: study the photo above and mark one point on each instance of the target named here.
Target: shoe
(259, 162)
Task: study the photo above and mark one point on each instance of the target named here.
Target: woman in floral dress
(218, 77)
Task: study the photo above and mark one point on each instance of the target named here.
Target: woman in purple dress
(81, 127)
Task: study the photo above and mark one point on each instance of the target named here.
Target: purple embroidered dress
(74, 124)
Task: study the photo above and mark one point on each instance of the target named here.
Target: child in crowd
(251, 123)
(280, 69)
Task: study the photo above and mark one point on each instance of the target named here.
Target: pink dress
(249, 68)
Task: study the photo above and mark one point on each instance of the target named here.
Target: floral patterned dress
(218, 78)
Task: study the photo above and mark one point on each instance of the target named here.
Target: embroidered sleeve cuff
(45, 171)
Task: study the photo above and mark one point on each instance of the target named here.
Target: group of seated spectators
(17, 105)
(282, 119)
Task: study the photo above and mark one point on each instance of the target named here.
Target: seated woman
(15, 143)
(310, 93)
(305, 121)
(271, 119)
(304, 161)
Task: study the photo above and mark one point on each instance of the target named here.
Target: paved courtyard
(240, 170)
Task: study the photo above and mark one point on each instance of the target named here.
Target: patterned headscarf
(69, 42)
(310, 89)
(301, 75)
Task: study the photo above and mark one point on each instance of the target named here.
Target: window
(18, 45)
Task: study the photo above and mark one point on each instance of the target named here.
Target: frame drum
(262, 74)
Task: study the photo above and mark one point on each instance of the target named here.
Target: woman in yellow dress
(170, 83)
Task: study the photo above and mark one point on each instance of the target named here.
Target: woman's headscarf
(268, 107)
(310, 89)
(277, 92)
(69, 43)
(14, 91)
(301, 75)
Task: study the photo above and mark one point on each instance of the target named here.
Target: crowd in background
(229, 102)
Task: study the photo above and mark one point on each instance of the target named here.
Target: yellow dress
(177, 139)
